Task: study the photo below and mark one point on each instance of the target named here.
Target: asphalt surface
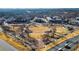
(63, 44)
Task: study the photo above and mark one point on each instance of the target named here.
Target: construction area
(40, 37)
(41, 34)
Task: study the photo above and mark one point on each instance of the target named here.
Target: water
(4, 46)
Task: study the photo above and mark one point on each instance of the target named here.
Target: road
(62, 45)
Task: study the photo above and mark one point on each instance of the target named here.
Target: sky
(39, 3)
